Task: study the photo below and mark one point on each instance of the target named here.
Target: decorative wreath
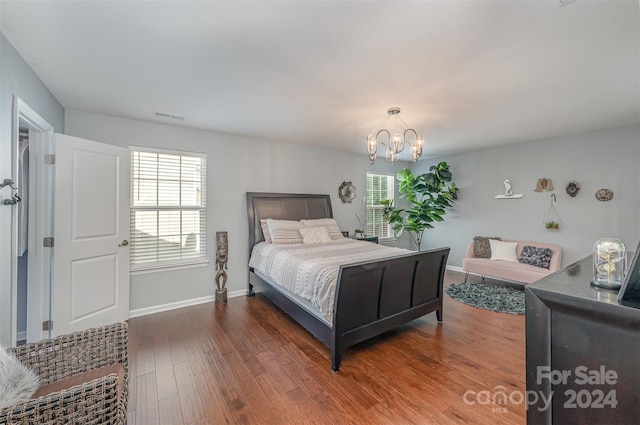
(572, 188)
(346, 192)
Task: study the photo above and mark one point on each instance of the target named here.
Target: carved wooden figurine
(222, 255)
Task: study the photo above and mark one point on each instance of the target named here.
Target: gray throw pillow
(482, 247)
(535, 256)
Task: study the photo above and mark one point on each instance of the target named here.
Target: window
(379, 187)
(168, 204)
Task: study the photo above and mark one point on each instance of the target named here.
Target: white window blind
(379, 187)
(168, 205)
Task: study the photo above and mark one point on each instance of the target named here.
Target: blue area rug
(489, 297)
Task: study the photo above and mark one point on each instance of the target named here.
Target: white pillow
(17, 382)
(330, 223)
(505, 251)
(265, 230)
(315, 235)
(284, 231)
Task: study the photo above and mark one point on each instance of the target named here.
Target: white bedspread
(311, 271)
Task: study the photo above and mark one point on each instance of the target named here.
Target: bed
(371, 297)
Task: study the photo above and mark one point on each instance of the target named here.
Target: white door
(91, 251)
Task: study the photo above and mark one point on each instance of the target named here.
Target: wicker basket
(100, 401)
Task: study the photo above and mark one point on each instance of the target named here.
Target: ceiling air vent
(170, 116)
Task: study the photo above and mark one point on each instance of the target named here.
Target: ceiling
(467, 74)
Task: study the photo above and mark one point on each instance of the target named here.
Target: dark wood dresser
(583, 352)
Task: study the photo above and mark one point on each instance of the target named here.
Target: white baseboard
(238, 293)
(180, 304)
(455, 269)
(209, 298)
(460, 270)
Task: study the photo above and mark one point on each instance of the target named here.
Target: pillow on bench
(482, 247)
(505, 251)
(535, 256)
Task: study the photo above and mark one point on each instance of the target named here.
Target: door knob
(124, 243)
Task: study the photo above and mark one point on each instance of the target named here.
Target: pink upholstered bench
(511, 270)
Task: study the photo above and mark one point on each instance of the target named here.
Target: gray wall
(16, 78)
(606, 158)
(235, 165)
(602, 159)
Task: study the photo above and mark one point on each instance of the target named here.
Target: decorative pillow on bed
(535, 256)
(329, 223)
(505, 251)
(315, 235)
(481, 246)
(265, 230)
(284, 231)
(17, 382)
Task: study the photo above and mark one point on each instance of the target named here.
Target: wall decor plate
(346, 192)
(604, 195)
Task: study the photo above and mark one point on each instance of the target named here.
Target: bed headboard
(283, 206)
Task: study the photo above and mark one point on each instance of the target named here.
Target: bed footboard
(374, 297)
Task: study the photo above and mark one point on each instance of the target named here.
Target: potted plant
(428, 195)
(552, 225)
(552, 219)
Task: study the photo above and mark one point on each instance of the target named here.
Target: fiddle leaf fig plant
(428, 195)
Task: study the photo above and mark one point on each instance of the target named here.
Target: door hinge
(47, 325)
(49, 159)
(47, 242)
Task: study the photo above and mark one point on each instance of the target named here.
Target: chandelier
(396, 144)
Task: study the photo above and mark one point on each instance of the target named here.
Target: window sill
(387, 241)
(171, 267)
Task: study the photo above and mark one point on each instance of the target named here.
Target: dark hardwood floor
(247, 362)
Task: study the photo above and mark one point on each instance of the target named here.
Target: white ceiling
(467, 74)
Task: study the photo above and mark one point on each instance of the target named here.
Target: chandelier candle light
(395, 145)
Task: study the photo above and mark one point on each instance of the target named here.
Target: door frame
(35, 315)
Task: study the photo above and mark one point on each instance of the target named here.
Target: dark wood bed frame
(371, 297)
